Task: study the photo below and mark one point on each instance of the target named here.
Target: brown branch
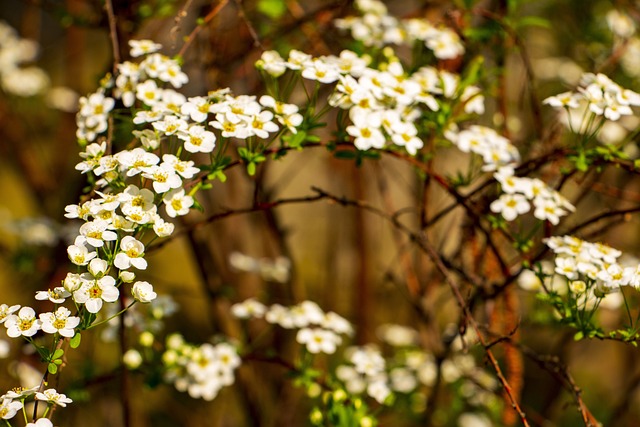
(261, 206)
(182, 13)
(189, 39)
(252, 30)
(113, 34)
(422, 242)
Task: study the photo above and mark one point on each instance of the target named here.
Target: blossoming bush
(501, 245)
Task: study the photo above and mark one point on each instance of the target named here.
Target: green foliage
(273, 9)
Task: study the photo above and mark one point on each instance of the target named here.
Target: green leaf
(251, 168)
(52, 368)
(57, 354)
(295, 140)
(533, 21)
(243, 152)
(75, 341)
(345, 154)
(578, 336)
(274, 9)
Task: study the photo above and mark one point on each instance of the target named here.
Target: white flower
(170, 125)
(279, 315)
(9, 408)
(42, 422)
(197, 139)
(261, 124)
(566, 266)
(59, 322)
(403, 380)
(379, 390)
(143, 47)
(56, 295)
(336, 323)
(131, 254)
(149, 92)
(24, 323)
(366, 129)
(164, 178)
(197, 108)
(405, 135)
(6, 310)
(321, 71)
(184, 168)
(93, 292)
(143, 292)
(547, 209)
(565, 99)
(96, 232)
(248, 308)
(173, 74)
(272, 63)
(318, 340)
(136, 160)
(510, 206)
(367, 361)
(177, 203)
(52, 396)
(620, 23)
(162, 228)
(80, 255)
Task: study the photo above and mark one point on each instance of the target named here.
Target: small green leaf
(57, 354)
(274, 9)
(345, 154)
(533, 21)
(75, 341)
(52, 368)
(578, 336)
(251, 168)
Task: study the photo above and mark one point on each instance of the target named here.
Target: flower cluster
(600, 96)
(377, 28)
(276, 270)
(201, 370)
(384, 104)
(15, 77)
(581, 261)
(409, 367)
(518, 192)
(496, 150)
(14, 400)
(318, 331)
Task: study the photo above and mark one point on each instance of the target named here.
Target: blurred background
(347, 260)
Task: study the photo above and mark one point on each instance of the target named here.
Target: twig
(252, 30)
(113, 34)
(422, 242)
(189, 39)
(182, 13)
(232, 212)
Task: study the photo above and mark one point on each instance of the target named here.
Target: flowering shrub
(490, 209)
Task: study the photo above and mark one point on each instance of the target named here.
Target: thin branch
(113, 34)
(191, 37)
(423, 243)
(261, 206)
(250, 27)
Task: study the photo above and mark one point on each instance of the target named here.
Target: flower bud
(146, 339)
(132, 359)
(98, 267)
(127, 276)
